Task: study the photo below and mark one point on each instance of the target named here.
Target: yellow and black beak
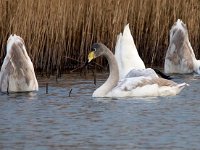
(91, 56)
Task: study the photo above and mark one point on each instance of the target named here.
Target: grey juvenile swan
(144, 83)
(180, 57)
(17, 72)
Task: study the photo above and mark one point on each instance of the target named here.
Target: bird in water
(17, 71)
(180, 57)
(137, 83)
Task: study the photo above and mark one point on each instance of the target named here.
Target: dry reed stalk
(59, 33)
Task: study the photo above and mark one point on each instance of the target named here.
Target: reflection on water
(41, 121)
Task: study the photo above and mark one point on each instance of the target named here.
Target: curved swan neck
(113, 78)
(113, 67)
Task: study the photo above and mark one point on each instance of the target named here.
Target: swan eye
(93, 49)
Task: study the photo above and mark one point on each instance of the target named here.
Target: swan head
(97, 50)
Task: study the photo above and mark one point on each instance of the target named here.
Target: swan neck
(113, 78)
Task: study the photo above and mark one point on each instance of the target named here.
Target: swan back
(17, 72)
(141, 72)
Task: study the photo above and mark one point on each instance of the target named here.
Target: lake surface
(53, 120)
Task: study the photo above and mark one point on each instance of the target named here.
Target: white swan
(126, 53)
(180, 57)
(138, 86)
(17, 72)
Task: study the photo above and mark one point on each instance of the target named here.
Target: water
(40, 121)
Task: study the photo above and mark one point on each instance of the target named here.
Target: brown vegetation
(59, 33)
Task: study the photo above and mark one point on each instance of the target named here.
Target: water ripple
(41, 121)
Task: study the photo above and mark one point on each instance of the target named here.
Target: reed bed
(59, 33)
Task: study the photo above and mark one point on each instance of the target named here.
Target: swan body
(180, 57)
(137, 83)
(126, 53)
(145, 86)
(17, 72)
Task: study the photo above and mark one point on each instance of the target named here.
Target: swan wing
(128, 53)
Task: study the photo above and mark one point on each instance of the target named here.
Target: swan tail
(163, 75)
(182, 85)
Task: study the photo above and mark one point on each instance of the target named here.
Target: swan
(126, 53)
(180, 57)
(138, 86)
(17, 72)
